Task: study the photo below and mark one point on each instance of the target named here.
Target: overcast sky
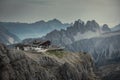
(103, 11)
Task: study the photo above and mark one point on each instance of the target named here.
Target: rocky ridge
(20, 65)
(78, 31)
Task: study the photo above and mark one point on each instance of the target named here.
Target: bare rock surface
(20, 65)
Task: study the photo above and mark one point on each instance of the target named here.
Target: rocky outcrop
(92, 25)
(20, 65)
(105, 28)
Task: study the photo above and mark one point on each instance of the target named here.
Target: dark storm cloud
(103, 11)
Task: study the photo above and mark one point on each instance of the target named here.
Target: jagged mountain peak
(105, 25)
(49, 21)
(77, 31)
(105, 28)
(92, 25)
(40, 22)
(55, 21)
(80, 21)
(92, 22)
(55, 30)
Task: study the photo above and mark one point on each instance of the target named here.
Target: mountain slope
(105, 51)
(103, 48)
(105, 28)
(33, 30)
(116, 28)
(6, 37)
(78, 31)
(20, 65)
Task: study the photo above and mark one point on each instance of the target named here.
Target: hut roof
(45, 43)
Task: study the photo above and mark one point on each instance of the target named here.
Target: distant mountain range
(7, 37)
(78, 31)
(33, 30)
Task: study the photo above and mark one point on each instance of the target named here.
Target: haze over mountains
(33, 30)
(58, 32)
(78, 31)
(7, 37)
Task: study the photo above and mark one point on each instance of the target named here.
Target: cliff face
(52, 65)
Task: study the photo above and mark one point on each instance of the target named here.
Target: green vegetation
(58, 54)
